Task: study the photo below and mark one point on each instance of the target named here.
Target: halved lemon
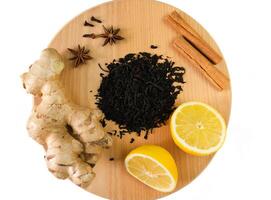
(154, 166)
(197, 128)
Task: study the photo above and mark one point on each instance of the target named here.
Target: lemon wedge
(154, 166)
(197, 128)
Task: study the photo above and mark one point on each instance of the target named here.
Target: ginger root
(71, 135)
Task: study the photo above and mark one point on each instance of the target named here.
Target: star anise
(80, 56)
(111, 35)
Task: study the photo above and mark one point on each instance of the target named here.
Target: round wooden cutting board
(142, 24)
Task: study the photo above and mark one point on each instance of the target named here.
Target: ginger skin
(70, 134)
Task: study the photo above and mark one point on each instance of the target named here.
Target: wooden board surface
(142, 24)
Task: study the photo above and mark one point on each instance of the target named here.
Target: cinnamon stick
(216, 77)
(179, 24)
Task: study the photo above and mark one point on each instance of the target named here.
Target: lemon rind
(173, 181)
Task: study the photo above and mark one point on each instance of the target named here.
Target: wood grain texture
(142, 24)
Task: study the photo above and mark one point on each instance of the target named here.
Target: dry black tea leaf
(138, 92)
(132, 140)
(153, 46)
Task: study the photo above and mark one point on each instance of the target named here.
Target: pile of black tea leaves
(138, 92)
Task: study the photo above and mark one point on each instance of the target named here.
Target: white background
(241, 170)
